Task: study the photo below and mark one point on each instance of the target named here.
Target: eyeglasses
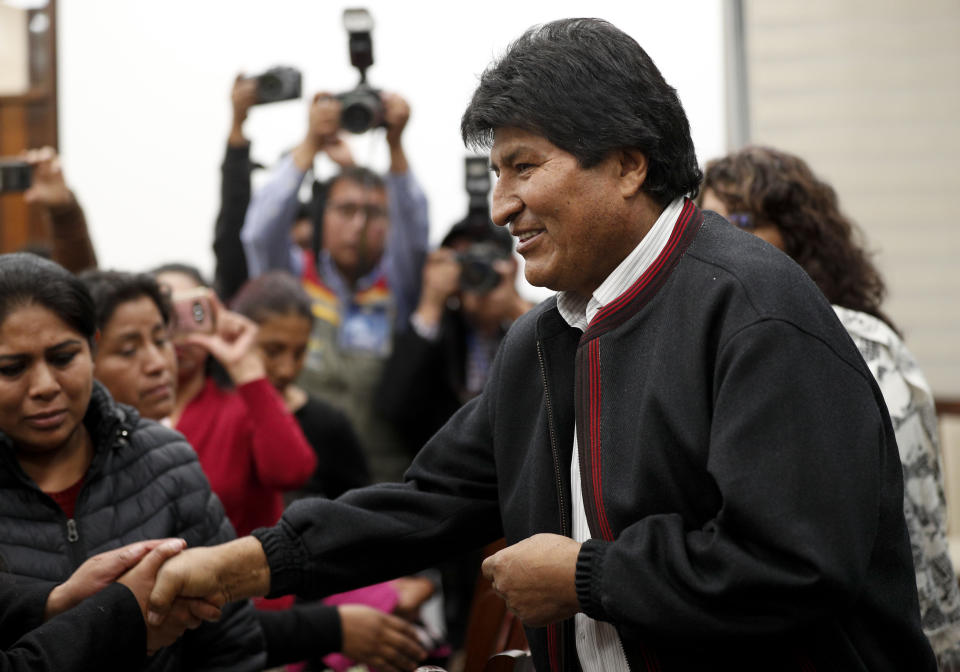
(349, 210)
(743, 220)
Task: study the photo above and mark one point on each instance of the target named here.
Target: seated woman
(82, 474)
(136, 361)
(776, 196)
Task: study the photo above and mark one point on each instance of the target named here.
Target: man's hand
(381, 640)
(96, 573)
(49, 187)
(185, 613)
(441, 280)
(323, 134)
(217, 574)
(488, 313)
(242, 97)
(396, 114)
(536, 578)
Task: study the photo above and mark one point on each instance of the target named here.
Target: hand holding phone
(193, 313)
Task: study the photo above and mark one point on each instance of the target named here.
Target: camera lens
(198, 312)
(356, 118)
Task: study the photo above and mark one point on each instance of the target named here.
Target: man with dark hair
(691, 464)
(366, 278)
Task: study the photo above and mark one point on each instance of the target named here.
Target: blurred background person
(230, 271)
(83, 474)
(249, 445)
(70, 244)
(277, 303)
(468, 301)
(775, 196)
(365, 279)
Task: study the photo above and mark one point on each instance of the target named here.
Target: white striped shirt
(598, 644)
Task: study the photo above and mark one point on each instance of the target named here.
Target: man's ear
(633, 172)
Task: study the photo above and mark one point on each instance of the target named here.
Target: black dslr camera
(477, 272)
(276, 84)
(362, 107)
(15, 175)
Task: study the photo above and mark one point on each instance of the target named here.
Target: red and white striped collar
(578, 311)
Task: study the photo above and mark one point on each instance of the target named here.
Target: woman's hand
(232, 344)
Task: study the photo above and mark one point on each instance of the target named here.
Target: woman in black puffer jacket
(80, 474)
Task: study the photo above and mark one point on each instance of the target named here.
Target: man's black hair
(590, 89)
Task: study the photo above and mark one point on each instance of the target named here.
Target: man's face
(569, 221)
(355, 225)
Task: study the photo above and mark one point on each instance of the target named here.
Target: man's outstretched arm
(232, 571)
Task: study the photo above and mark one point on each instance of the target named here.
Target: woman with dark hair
(281, 309)
(776, 196)
(248, 443)
(82, 474)
(134, 357)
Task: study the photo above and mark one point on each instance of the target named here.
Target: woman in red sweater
(249, 445)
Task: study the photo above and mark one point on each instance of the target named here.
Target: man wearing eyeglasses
(364, 282)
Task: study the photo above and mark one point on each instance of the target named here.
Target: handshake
(161, 568)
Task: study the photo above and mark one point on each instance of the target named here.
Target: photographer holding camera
(365, 280)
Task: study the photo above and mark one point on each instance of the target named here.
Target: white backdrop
(144, 96)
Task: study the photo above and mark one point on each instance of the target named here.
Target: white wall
(144, 96)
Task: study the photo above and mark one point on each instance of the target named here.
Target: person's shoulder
(158, 447)
(531, 322)
(728, 260)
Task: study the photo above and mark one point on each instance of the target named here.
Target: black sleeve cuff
(286, 557)
(593, 553)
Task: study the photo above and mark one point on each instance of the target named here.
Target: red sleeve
(282, 457)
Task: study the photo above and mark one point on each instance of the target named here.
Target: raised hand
(243, 96)
(396, 116)
(232, 344)
(49, 187)
(441, 280)
(381, 640)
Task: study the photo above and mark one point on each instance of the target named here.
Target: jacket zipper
(564, 525)
(72, 535)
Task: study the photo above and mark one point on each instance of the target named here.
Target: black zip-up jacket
(740, 475)
(144, 483)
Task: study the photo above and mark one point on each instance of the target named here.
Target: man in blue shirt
(365, 281)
